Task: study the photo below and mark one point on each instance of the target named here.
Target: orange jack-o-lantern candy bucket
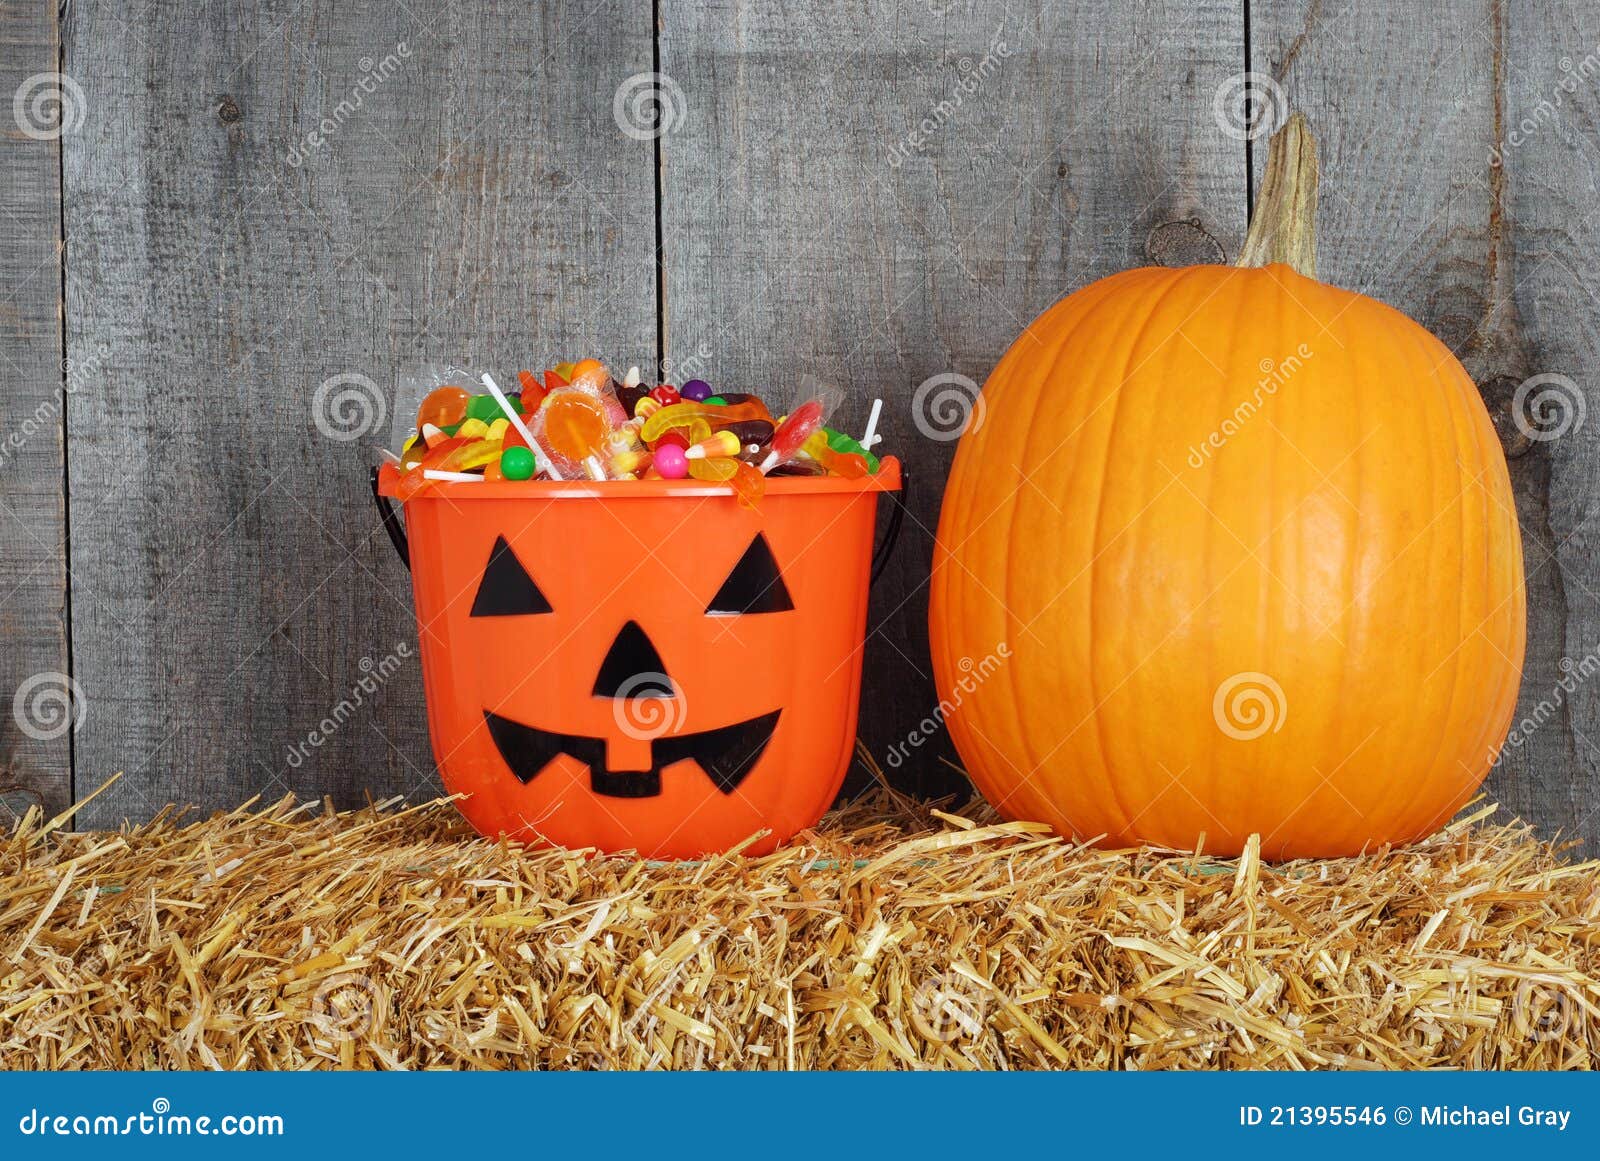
(647, 664)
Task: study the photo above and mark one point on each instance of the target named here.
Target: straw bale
(894, 936)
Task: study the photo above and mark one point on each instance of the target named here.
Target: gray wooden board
(36, 718)
(476, 202)
(866, 194)
(1410, 115)
(874, 194)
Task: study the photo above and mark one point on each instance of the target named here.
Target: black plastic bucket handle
(880, 558)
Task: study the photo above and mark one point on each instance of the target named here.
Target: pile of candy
(577, 422)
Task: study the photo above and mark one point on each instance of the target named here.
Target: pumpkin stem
(1284, 225)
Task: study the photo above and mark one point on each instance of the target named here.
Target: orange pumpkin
(1247, 545)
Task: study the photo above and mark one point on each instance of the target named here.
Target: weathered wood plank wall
(273, 203)
(39, 710)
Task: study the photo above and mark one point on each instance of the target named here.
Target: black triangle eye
(754, 585)
(506, 589)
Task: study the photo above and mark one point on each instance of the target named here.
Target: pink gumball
(671, 462)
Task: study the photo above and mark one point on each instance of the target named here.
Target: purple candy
(696, 391)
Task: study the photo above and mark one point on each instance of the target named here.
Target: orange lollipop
(444, 407)
(573, 423)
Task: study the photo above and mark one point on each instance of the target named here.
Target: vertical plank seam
(660, 155)
(66, 448)
(1249, 142)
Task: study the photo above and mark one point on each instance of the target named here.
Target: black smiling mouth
(726, 754)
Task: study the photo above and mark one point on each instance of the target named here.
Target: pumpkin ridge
(1019, 695)
(1159, 298)
(1453, 405)
(966, 492)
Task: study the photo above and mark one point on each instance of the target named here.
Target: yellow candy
(497, 429)
(473, 429)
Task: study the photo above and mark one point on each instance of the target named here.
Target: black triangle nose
(632, 668)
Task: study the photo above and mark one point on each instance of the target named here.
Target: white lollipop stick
(871, 437)
(522, 428)
(451, 477)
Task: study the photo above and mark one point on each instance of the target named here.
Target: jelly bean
(671, 461)
(517, 463)
(713, 471)
(666, 395)
(443, 406)
(721, 445)
(696, 391)
(674, 437)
